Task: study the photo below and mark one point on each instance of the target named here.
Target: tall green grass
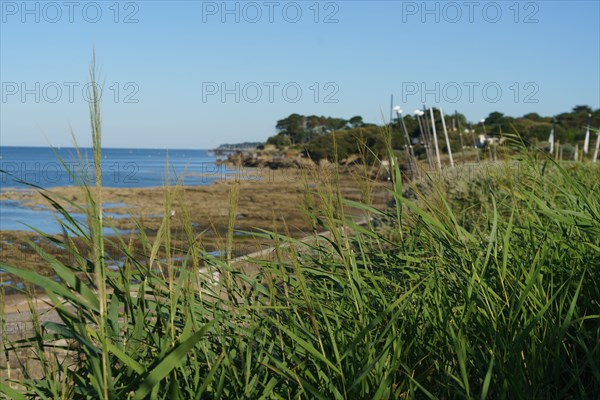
(479, 285)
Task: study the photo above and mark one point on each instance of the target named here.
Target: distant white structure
(488, 140)
(597, 147)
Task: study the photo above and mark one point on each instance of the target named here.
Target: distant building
(485, 140)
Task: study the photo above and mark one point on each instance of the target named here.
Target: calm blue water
(126, 168)
(120, 167)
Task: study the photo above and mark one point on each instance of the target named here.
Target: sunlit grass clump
(479, 287)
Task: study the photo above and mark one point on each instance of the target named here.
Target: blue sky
(197, 74)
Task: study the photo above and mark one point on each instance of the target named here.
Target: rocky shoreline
(267, 156)
(272, 158)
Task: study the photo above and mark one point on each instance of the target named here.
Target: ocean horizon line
(108, 147)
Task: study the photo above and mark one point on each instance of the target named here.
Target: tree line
(315, 135)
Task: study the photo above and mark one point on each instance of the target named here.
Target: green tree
(279, 141)
(293, 127)
(356, 121)
(497, 123)
(582, 110)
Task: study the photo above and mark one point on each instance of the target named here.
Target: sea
(23, 168)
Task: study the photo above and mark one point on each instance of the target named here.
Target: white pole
(561, 152)
(435, 141)
(447, 139)
(576, 155)
(586, 142)
(391, 111)
(597, 147)
(551, 140)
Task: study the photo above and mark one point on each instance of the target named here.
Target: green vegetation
(314, 135)
(478, 284)
(301, 129)
(339, 145)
